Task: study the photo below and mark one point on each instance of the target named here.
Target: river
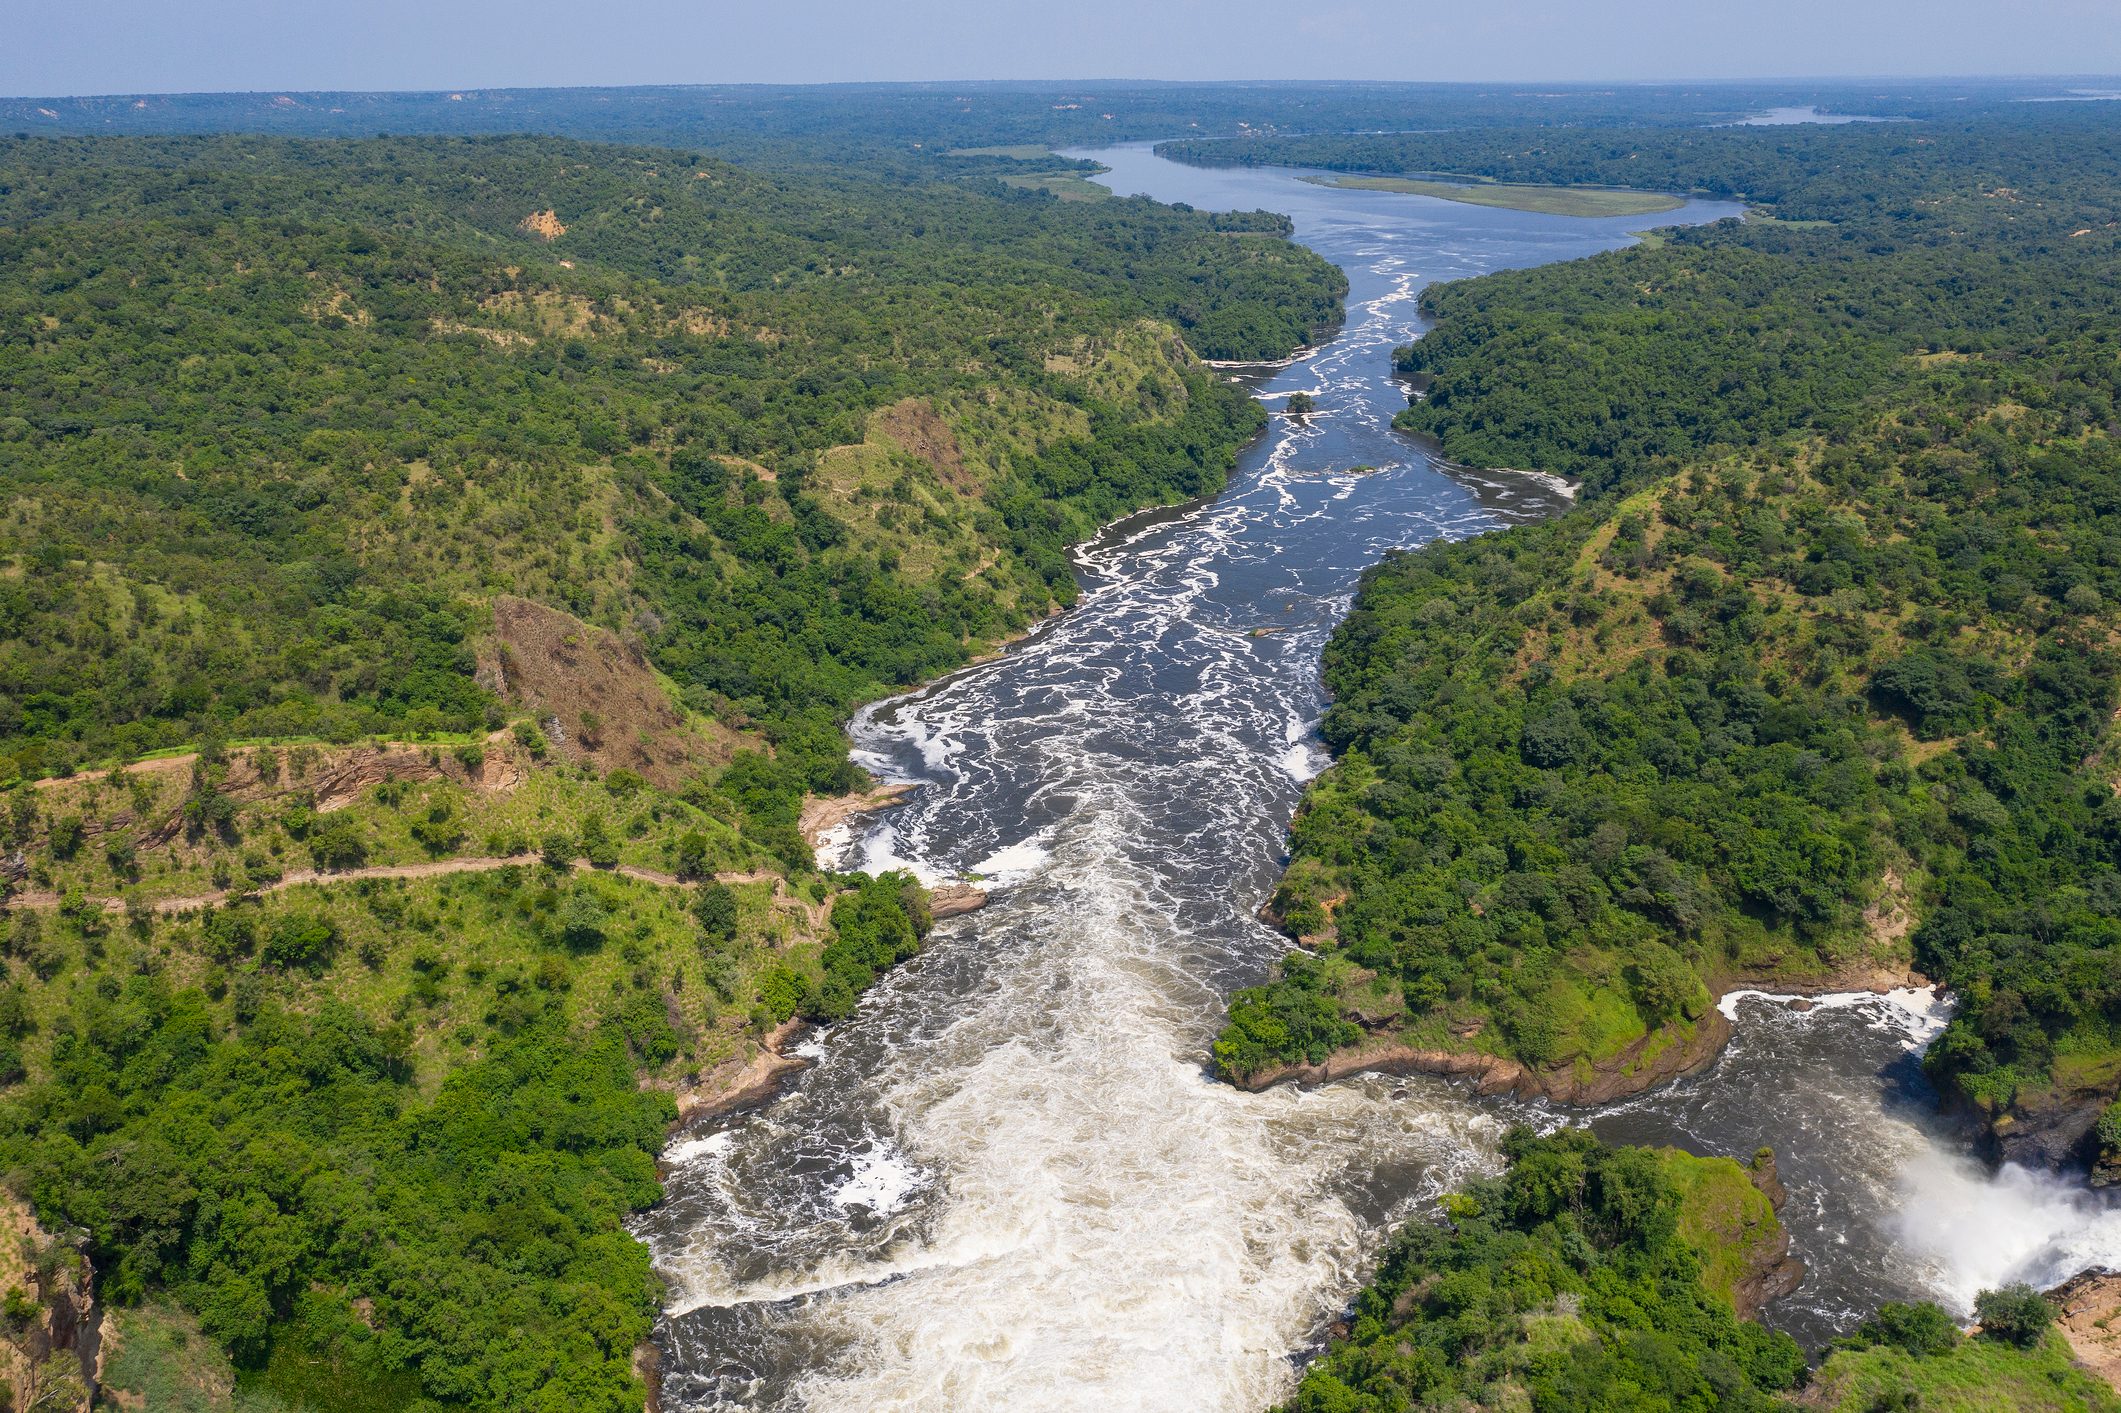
(1008, 1181)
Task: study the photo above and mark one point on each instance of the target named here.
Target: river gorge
(1009, 1181)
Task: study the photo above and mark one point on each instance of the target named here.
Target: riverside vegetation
(477, 543)
(1589, 1277)
(1816, 684)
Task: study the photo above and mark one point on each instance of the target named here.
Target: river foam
(1968, 1229)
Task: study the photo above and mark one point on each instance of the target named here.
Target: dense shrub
(2016, 1314)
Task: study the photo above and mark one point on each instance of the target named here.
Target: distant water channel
(1008, 1181)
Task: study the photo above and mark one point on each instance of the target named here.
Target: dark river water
(1008, 1181)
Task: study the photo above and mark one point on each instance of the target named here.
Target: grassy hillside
(362, 1054)
(1969, 1376)
(473, 546)
(1817, 683)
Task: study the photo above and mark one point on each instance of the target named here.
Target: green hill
(474, 545)
(1816, 685)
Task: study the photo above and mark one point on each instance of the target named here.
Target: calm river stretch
(1009, 1182)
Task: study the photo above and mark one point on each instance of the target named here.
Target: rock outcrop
(545, 225)
(52, 1323)
(1649, 1062)
(2048, 1128)
(2088, 1309)
(1771, 1272)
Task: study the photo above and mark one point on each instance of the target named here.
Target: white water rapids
(1009, 1182)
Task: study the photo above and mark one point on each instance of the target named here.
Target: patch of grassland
(450, 959)
(1977, 1376)
(1762, 218)
(450, 956)
(301, 1382)
(1068, 186)
(1021, 151)
(1722, 1215)
(1066, 182)
(1017, 151)
(1548, 200)
(155, 1356)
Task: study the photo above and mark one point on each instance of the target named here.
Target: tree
(715, 908)
(598, 846)
(582, 920)
(122, 855)
(299, 940)
(1666, 988)
(438, 830)
(1922, 1329)
(2015, 1313)
(337, 843)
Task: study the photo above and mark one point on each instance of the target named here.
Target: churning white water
(1008, 1182)
(1966, 1229)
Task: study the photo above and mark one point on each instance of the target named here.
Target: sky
(71, 47)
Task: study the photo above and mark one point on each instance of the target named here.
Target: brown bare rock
(341, 777)
(545, 225)
(955, 900)
(2088, 1308)
(52, 1362)
(1767, 1179)
(1490, 1074)
(752, 1077)
(2048, 1128)
(1863, 974)
(821, 815)
(648, 1367)
(1771, 1272)
(597, 696)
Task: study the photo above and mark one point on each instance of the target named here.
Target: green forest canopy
(248, 384)
(1826, 644)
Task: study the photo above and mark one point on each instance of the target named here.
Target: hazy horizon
(1090, 81)
(99, 47)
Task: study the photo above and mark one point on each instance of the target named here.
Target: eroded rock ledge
(1655, 1059)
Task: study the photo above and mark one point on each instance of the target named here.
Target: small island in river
(1552, 200)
